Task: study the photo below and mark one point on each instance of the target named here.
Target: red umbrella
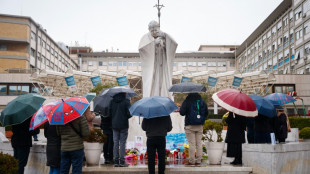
(236, 101)
(67, 110)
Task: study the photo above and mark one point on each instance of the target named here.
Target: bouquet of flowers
(132, 154)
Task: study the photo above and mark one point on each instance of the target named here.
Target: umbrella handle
(139, 119)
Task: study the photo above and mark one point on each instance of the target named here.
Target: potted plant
(212, 133)
(93, 146)
(305, 134)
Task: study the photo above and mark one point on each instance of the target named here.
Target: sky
(118, 25)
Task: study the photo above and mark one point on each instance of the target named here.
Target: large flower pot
(92, 152)
(215, 152)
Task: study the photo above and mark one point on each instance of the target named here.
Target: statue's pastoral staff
(157, 51)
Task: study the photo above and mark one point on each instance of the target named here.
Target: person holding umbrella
(156, 123)
(119, 113)
(195, 111)
(239, 106)
(21, 142)
(18, 113)
(281, 125)
(72, 128)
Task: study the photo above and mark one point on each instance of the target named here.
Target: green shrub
(8, 164)
(299, 122)
(305, 133)
(96, 135)
(208, 128)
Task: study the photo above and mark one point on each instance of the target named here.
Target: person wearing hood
(119, 112)
(194, 108)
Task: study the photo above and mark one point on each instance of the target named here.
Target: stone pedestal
(136, 130)
(286, 158)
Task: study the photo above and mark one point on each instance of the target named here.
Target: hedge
(299, 122)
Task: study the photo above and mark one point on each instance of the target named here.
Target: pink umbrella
(236, 101)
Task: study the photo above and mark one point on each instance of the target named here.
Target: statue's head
(154, 28)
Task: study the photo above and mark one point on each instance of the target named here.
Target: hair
(153, 24)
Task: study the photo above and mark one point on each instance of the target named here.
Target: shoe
(35, 140)
(124, 165)
(116, 163)
(236, 162)
(233, 162)
(107, 162)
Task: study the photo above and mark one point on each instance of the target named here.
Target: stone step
(220, 169)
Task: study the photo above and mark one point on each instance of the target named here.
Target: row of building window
(179, 64)
(17, 89)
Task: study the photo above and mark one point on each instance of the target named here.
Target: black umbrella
(187, 87)
(102, 102)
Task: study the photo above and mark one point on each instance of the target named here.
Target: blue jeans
(72, 157)
(119, 138)
(54, 170)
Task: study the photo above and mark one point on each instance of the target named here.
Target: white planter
(92, 152)
(215, 152)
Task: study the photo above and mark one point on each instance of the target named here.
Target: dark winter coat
(22, 137)
(52, 146)
(281, 129)
(158, 126)
(263, 124)
(106, 125)
(119, 111)
(236, 129)
(186, 106)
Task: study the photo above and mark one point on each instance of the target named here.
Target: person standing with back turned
(119, 112)
(195, 111)
(156, 130)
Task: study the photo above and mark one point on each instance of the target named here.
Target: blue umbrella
(151, 107)
(264, 106)
(280, 98)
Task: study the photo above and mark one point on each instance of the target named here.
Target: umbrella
(264, 106)
(187, 87)
(21, 108)
(90, 96)
(280, 98)
(150, 107)
(119, 89)
(102, 102)
(67, 110)
(40, 117)
(236, 101)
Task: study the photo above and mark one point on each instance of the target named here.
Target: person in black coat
(235, 137)
(281, 126)
(156, 130)
(263, 126)
(21, 142)
(53, 145)
(106, 126)
(250, 130)
(119, 113)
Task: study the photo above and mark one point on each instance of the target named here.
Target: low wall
(293, 157)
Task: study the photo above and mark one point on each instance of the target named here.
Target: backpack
(197, 114)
